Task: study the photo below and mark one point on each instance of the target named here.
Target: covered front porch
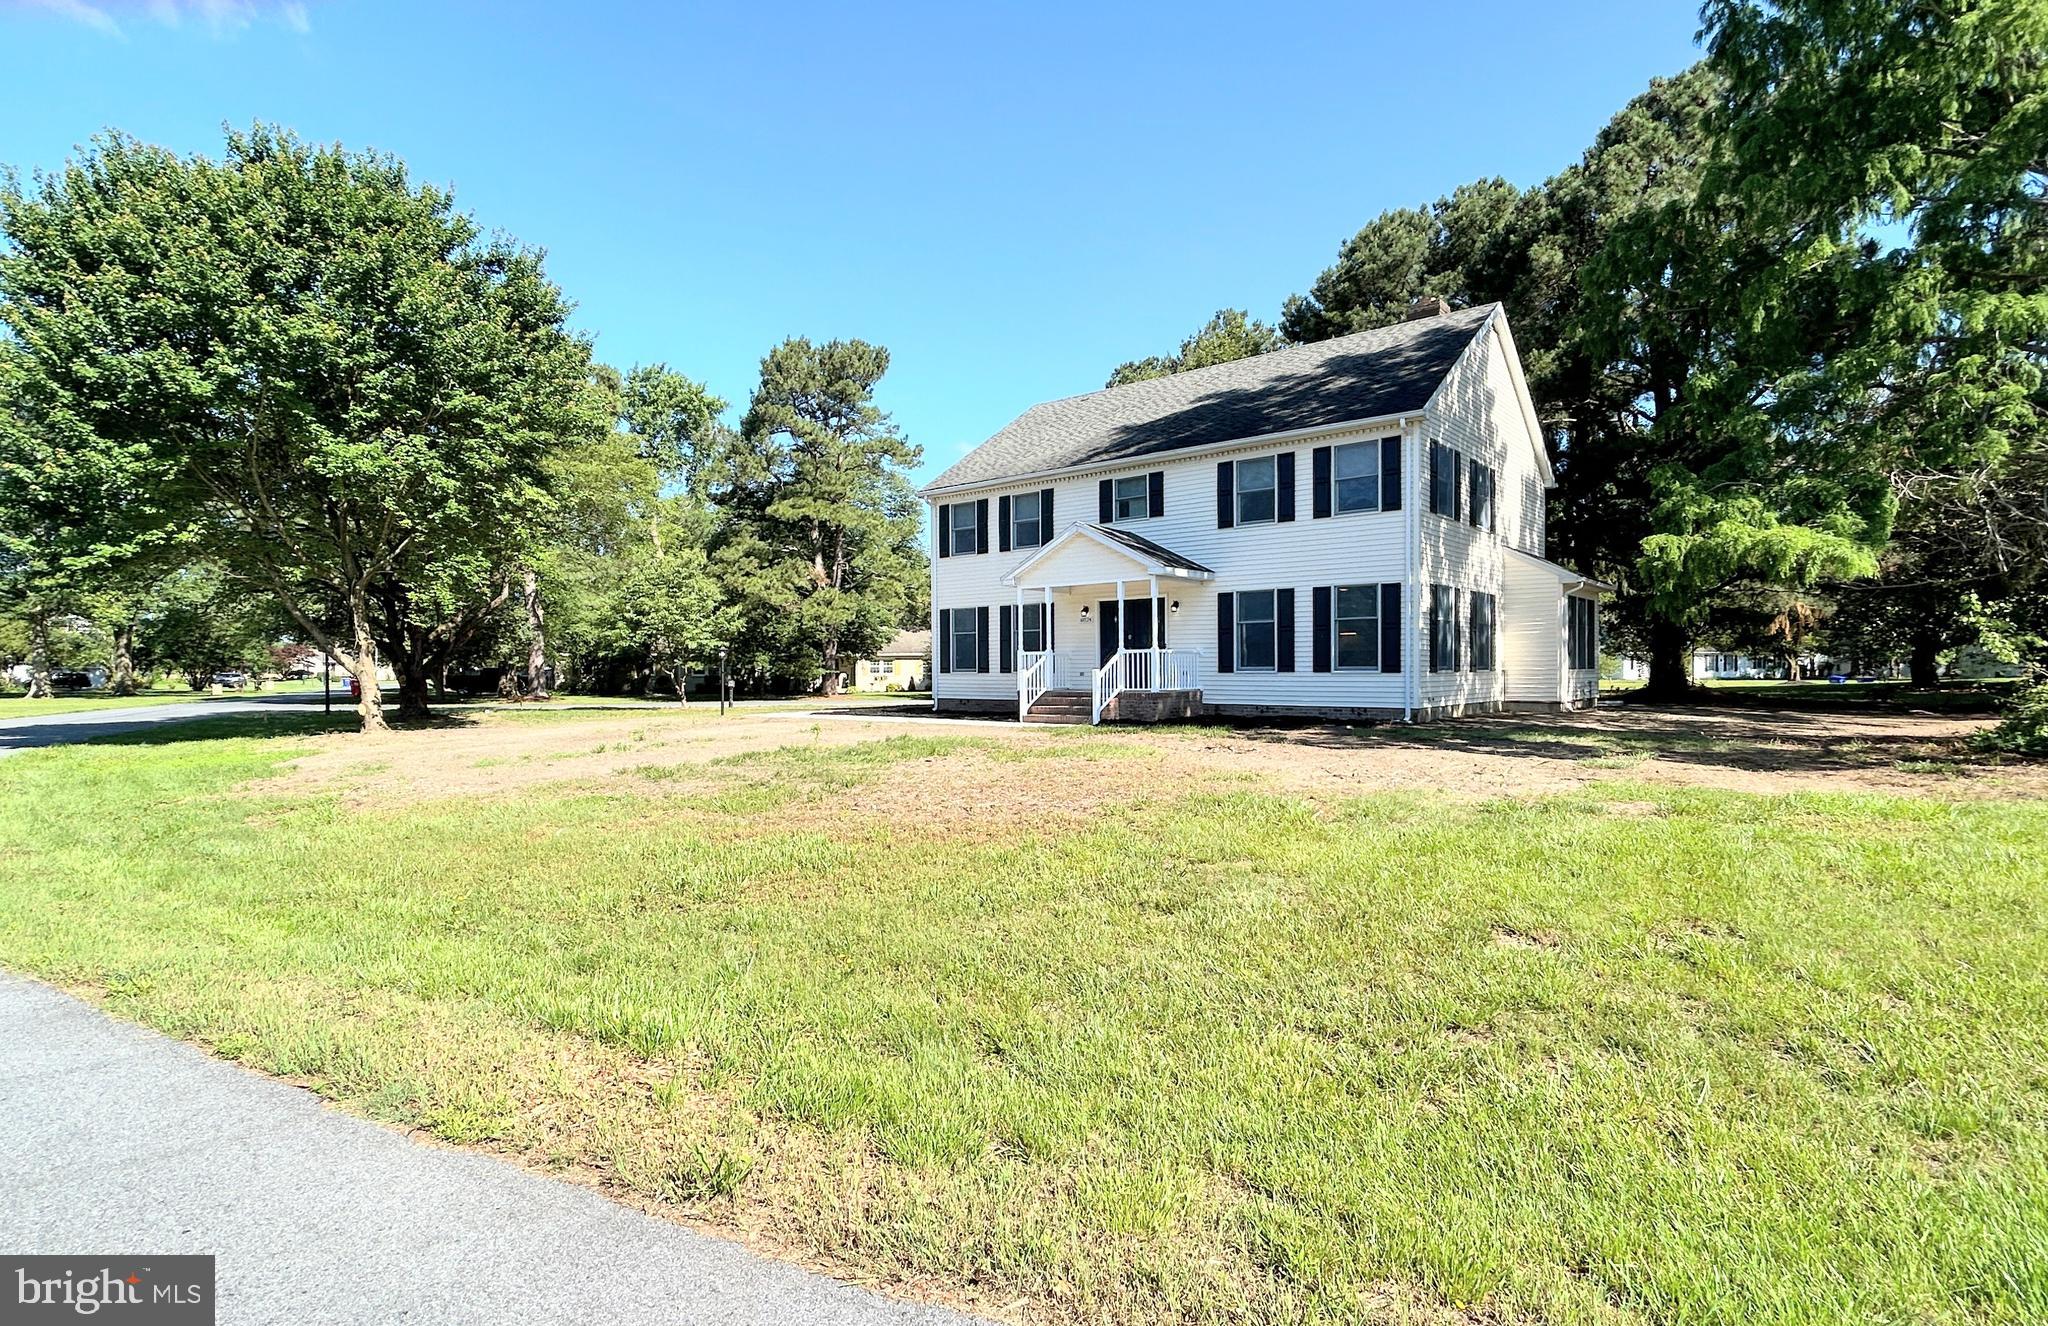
(1095, 611)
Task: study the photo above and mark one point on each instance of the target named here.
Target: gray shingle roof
(1156, 551)
(1388, 370)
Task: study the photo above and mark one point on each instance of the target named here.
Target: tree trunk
(412, 686)
(828, 684)
(1670, 675)
(369, 697)
(39, 687)
(1924, 662)
(536, 640)
(123, 680)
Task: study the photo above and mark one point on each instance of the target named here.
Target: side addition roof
(1367, 375)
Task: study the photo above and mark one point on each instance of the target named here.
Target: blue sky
(1012, 198)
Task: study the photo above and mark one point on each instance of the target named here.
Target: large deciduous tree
(329, 373)
(821, 542)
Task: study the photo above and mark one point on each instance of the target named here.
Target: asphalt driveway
(29, 730)
(114, 1139)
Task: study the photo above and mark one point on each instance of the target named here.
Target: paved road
(56, 729)
(114, 1139)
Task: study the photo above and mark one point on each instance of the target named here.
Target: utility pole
(326, 683)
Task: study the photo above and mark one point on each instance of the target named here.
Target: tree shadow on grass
(229, 727)
(1743, 739)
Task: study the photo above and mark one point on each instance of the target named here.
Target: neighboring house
(1352, 528)
(900, 666)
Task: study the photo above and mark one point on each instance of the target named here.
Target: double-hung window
(1133, 498)
(1031, 629)
(966, 529)
(966, 652)
(1444, 463)
(1258, 489)
(1583, 634)
(1357, 617)
(1482, 632)
(1443, 629)
(1483, 483)
(1256, 633)
(1355, 467)
(1027, 523)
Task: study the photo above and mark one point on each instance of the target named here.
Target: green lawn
(1635, 1053)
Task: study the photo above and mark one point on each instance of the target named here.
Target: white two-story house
(1349, 529)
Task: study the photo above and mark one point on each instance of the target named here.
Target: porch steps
(1061, 707)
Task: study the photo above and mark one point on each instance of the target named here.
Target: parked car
(233, 681)
(70, 679)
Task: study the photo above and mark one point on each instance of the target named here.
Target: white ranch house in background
(1352, 528)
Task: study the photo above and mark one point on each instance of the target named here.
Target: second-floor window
(966, 529)
(1133, 499)
(1444, 464)
(1257, 491)
(1027, 523)
(1356, 470)
(1483, 482)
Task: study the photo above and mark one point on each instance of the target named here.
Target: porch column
(1152, 606)
(1123, 623)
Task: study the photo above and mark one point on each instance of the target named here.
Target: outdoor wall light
(1173, 606)
(1084, 613)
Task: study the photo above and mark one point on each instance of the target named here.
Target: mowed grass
(1628, 1054)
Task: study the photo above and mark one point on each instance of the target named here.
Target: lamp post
(721, 681)
(326, 683)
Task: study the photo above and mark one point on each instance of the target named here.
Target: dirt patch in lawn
(989, 778)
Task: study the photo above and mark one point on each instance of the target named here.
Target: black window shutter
(1226, 632)
(1492, 500)
(1003, 521)
(1319, 642)
(1390, 475)
(1283, 479)
(1457, 634)
(1435, 463)
(1044, 516)
(1390, 628)
(1283, 630)
(981, 639)
(1478, 483)
(945, 639)
(1155, 493)
(1009, 637)
(945, 530)
(1319, 482)
(1106, 505)
(981, 526)
(1226, 492)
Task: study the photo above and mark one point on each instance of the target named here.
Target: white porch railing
(1145, 670)
(1034, 678)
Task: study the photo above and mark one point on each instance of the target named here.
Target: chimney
(1429, 306)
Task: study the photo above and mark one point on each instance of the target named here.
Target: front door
(1136, 631)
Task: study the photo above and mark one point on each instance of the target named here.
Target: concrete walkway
(114, 1139)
